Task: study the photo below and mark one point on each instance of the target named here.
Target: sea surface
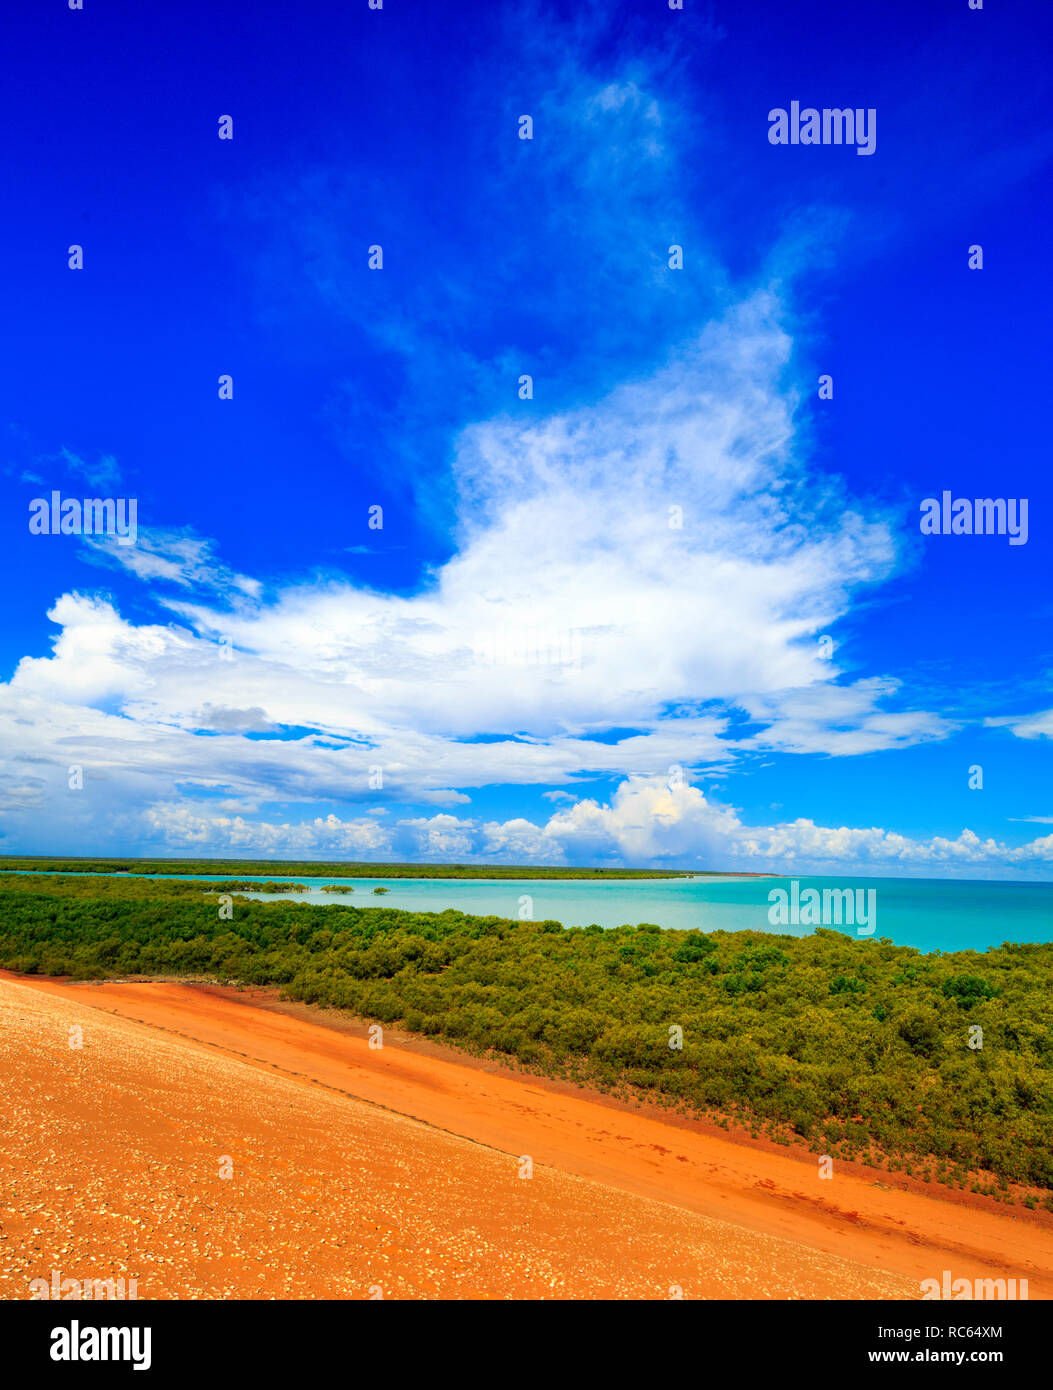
(929, 914)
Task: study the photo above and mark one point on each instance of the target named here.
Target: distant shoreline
(106, 864)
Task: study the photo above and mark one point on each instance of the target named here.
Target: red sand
(332, 1197)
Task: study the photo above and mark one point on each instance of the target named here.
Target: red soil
(356, 1169)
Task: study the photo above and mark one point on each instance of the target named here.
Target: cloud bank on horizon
(646, 616)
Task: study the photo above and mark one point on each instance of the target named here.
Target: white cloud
(565, 544)
(520, 841)
(571, 606)
(173, 557)
(441, 837)
(645, 822)
(182, 828)
(840, 719)
(1027, 725)
(443, 796)
(103, 474)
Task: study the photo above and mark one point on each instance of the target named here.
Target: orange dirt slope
(357, 1172)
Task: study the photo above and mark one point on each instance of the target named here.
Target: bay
(929, 914)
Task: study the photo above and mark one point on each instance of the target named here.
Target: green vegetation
(254, 885)
(859, 1046)
(337, 888)
(310, 869)
(380, 890)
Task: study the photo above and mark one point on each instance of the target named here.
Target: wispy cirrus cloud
(173, 557)
(102, 472)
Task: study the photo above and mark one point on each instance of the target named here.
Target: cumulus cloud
(646, 821)
(442, 836)
(520, 841)
(182, 828)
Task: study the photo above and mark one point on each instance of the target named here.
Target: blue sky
(541, 665)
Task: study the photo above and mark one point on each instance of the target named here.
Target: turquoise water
(930, 914)
(933, 915)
